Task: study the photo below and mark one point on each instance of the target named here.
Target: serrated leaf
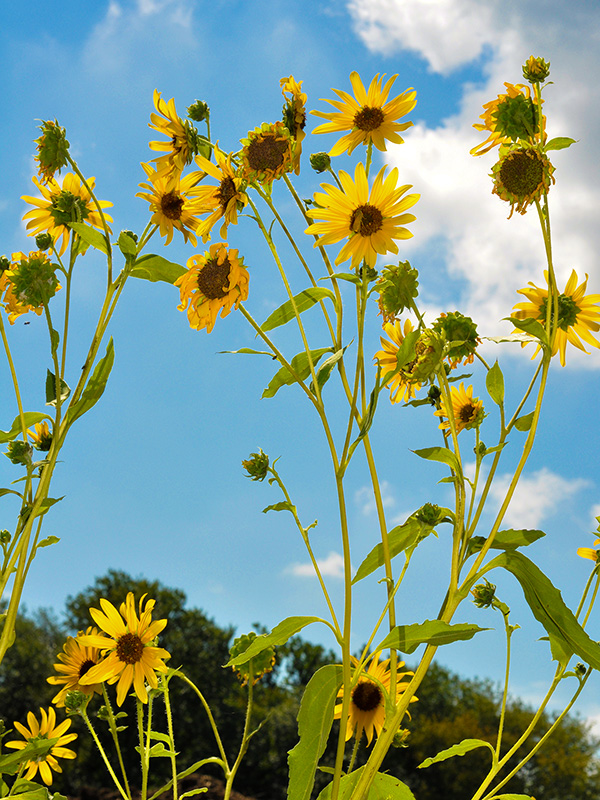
(406, 638)
(301, 367)
(156, 268)
(284, 505)
(315, 719)
(279, 635)
(456, 750)
(303, 301)
(494, 381)
(507, 540)
(530, 326)
(95, 386)
(524, 423)
(51, 389)
(441, 454)
(384, 787)
(30, 417)
(91, 236)
(559, 143)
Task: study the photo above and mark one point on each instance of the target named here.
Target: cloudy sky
(152, 475)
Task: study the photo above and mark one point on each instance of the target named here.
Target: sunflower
(368, 116)
(46, 729)
(401, 386)
(367, 704)
(587, 552)
(77, 659)
(131, 658)
(370, 221)
(173, 202)
(216, 281)
(28, 283)
(267, 153)
(60, 205)
(508, 118)
(522, 176)
(578, 314)
(224, 200)
(466, 411)
(294, 113)
(41, 436)
(181, 135)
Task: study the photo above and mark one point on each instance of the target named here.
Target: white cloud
(535, 497)
(365, 499)
(332, 567)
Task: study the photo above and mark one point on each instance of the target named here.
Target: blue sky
(152, 475)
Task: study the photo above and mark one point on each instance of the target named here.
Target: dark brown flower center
(171, 205)
(367, 696)
(226, 192)
(522, 173)
(87, 665)
(213, 279)
(467, 412)
(266, 152)
(366, 220)
(368, 119)
(130, 648)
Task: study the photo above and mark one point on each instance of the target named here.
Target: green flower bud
(257, 466)
(52, 148)
(320, 162)
(43, 241)
(536, 70)
(460, 333)
(257, 666)
(483, 594)
(75, 702)
(580, 669)
(397, 288)
(131, 235)
(434, 394)
(4, 264)
(198, 111)
(400, 738)
(5, 536)
(430, 514)
(19, 452)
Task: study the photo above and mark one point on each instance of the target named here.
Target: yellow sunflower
(76, 660)
(370, 221)
(173, 202)
(587, 552)
(216, 281)
(46, 729)
(368, 115)
(28, 283)
(267, 153)
(508, 118)
(521, 176)
(402, 388)
(367, 706)
(181, 136)
(60, 205)
(131, 658)
(222, 201)
(294, 114)
(41, 436)
(578, 314)
(466, 411)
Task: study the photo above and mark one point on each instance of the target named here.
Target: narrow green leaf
(48, 503)
(156, 268)
(530, 326)
(279, 635)
(193, 792)
(301, 367)
(314, 724)
(384, 787)
(494, 381)
(95, 386)
(456, 750)
(30, 417)
(345, 276)
(559, 143)
(51, 389)
(407, 638)
(48, 541)
(9, 763)
(507, 540)
(511, 797)
(326, 368)
(248, 350)
(127, 245)
(91, 236)
(441, 454)
(406, 351)
(282, 506)
(54, 341)
(303, 301)
(524, 423)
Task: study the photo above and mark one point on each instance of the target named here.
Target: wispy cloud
(332, 567)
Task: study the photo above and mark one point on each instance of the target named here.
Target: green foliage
(407, 638)
(156, 268)
(302, 302)
(95, 386)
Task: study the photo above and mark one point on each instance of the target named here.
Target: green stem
(209, 714)
(173, 757)
(508, 632)
(107, 763)
(245, 738)
(112, 725)
(13, 375)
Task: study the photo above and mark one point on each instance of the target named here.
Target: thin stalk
(13, 375)
(508, 632)
(245, 739)
(209, 714)
(112, 724)
(173, 757)
(107, 763)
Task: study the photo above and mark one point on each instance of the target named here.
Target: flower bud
(483, 594)
(198, 111)
(131, 235)
(43, 241)
(430, 514)
(397, 288)
(75, 702)
(434, 394)
(5, 537)
(19, 452)
(52, 148)
(257, 466)
(4, 264)
(320, 162)
(400, 738)
(460, 333)
(536, 70)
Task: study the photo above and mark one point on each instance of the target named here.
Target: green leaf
(530, 326)
(511, 797)
(30, 417)
(407, 638)
(54, 341)
(524, 423)
(326, 368)
(51, 389)
(559, 143)
(95, 386)
(127, 245)
(279, 635)
(303, 301)
(156, 268)
(9, 763)
(158, 750)
(91, 236)
(456, 750)
(48, 541)
(441, 454)
(384, 787)
(193, 792)
(282, 506)
(300, 365)
(507, 540)
(248, 350)
(314, 724)
(47, 504)
(548, 607)
(494, 381)
(345, 276)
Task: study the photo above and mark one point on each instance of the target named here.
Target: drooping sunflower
(522, 176)
(181, 144)
(41, 436)
(401, 386)
(173, 202)
(76, 660)
(28, 283)
(578, 314)
(369, 220)
(216, 281)
(294, 114)
(60, 205)
(131, 658)
(267, 153)
(224, 200)
(508, 118)
(367, 704)
(46, 729)
(368, 115)
(467, 411)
